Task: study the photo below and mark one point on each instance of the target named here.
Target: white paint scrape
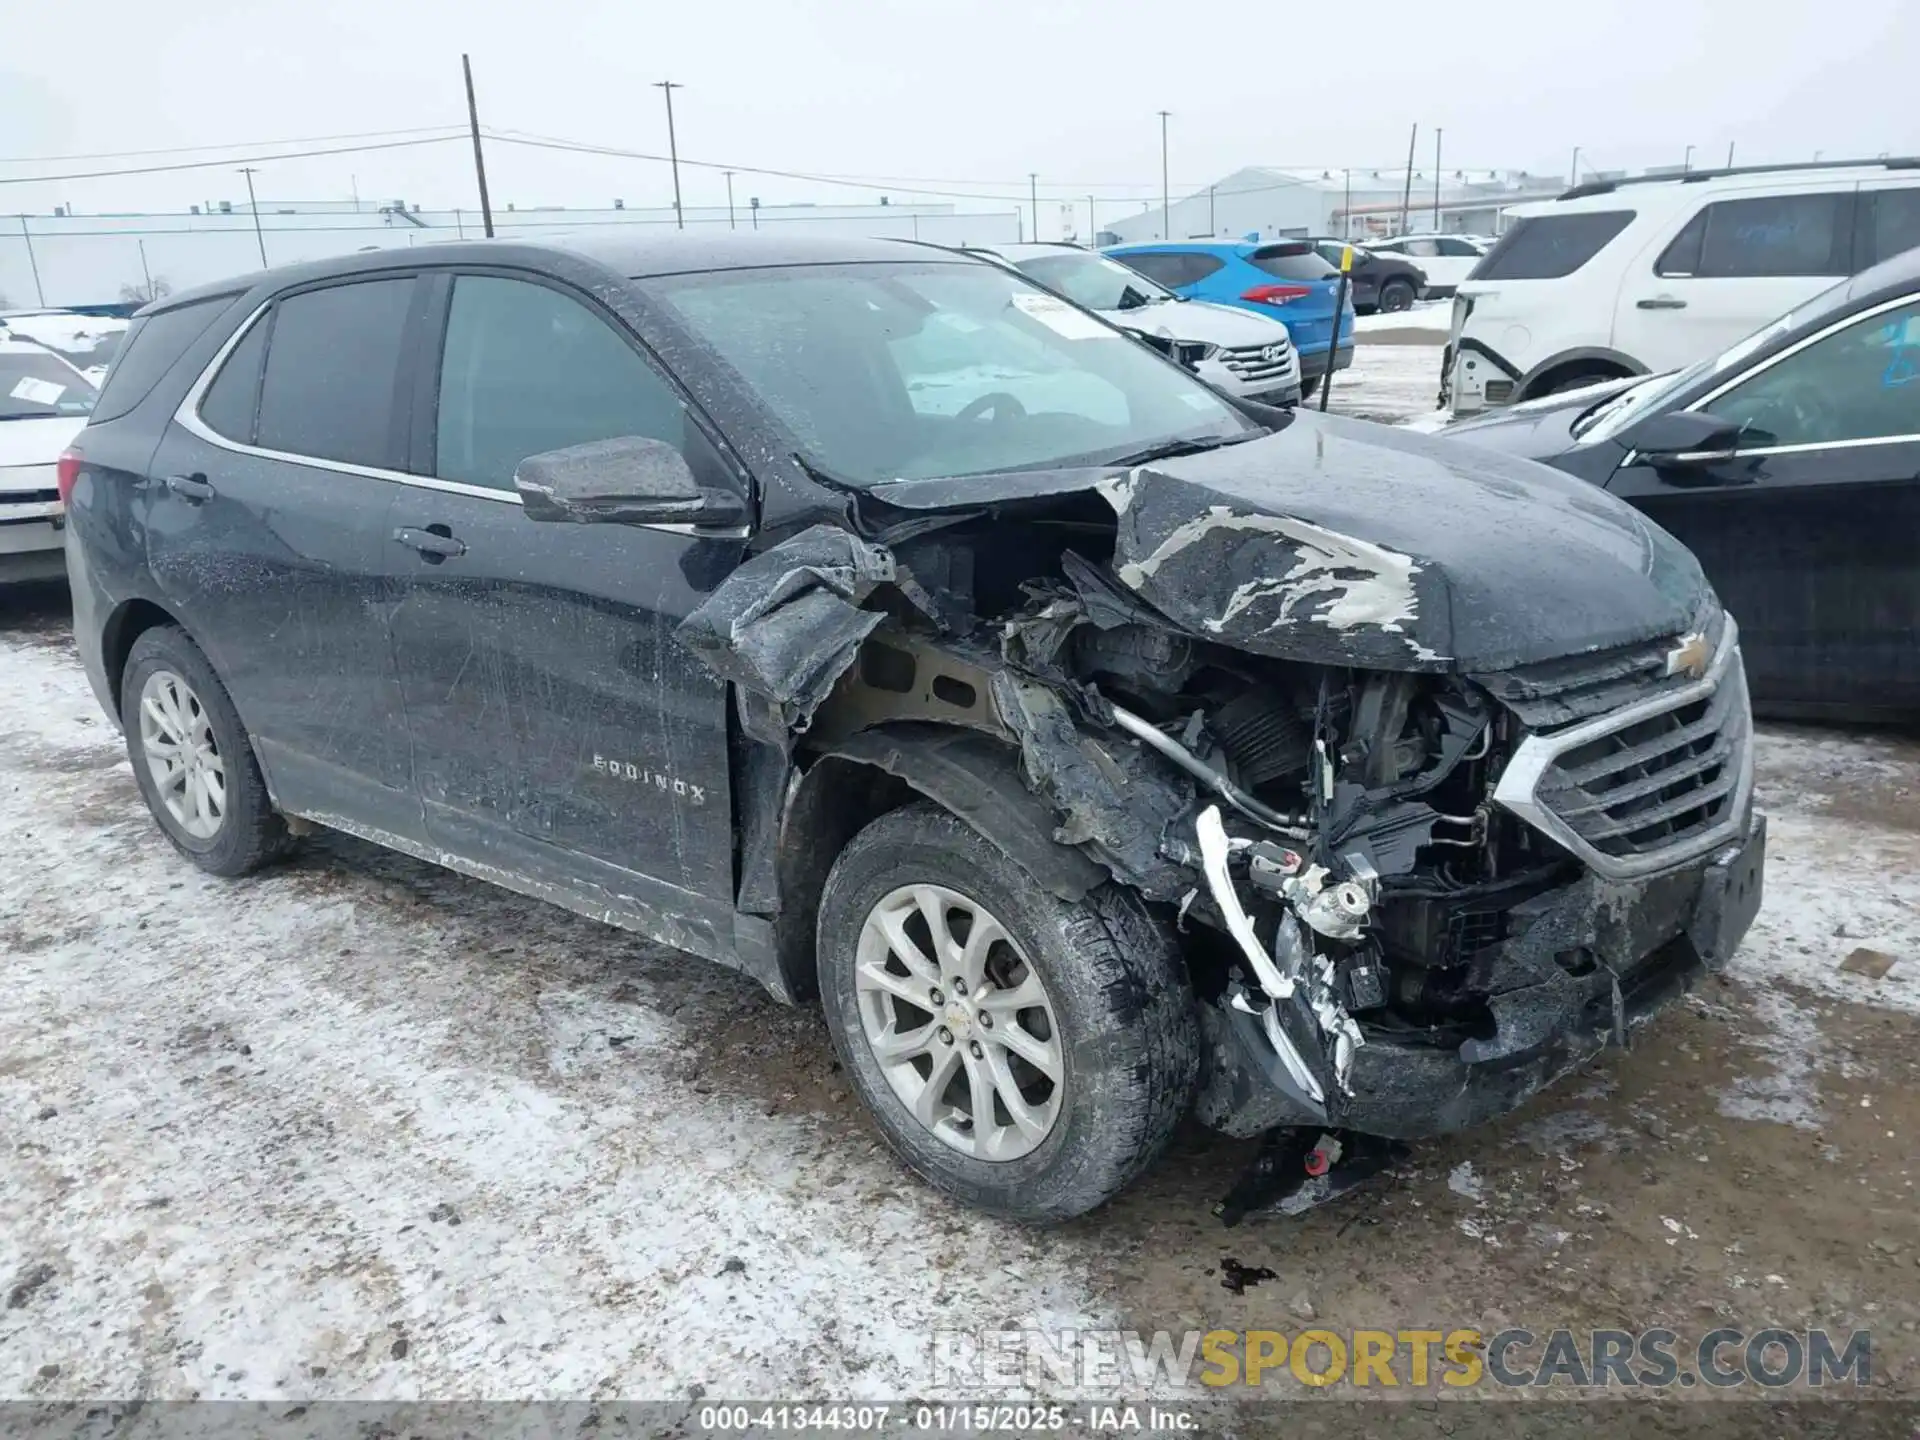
(1356, 581)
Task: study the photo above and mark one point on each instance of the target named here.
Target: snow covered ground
(1398, 384)
(1427, 322)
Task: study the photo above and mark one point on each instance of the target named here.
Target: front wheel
(1028, 1055)
(1309, 387)
(1396, 295)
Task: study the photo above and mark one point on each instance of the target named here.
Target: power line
(225, 145)
(224, 162)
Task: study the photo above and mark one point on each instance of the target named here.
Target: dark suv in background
(861, 616)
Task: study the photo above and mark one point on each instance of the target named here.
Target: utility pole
(1406, 192)
(1093, 225)
(1574, 178)
(1346, 205)
(1437, 133)
(753, 209)
(1213, 227)
(730, 224)
(145, 271)
(259, 237)
(1729, 154)
(1686, 161)
(479, 160)
(39, 295)
(1033, 199)
(667, 87)
(1166, 207)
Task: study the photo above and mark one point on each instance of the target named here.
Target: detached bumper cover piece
(1583, 967)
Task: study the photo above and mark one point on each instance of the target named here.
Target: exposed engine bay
(1411, 890)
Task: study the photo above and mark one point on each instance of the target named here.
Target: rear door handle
(435, 547)
(190, 487)
(1661, 302)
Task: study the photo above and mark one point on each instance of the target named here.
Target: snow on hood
(70, 334)
(1343, 542)
(1199, 320)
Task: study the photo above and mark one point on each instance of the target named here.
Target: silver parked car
(1245, 355)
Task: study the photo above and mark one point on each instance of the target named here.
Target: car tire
(180, 724)
(1575, 380)
(1114, 1018)
(1396, 295)
(1309, 387)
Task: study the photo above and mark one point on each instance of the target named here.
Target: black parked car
(1380, 282)
(862, 617)
(1790, 465)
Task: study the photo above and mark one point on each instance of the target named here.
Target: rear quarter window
(1546, 247)
(1293, 262)
(1895, 222)
(153, 343)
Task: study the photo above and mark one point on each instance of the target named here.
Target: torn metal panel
(788, 623)
(1116, 799)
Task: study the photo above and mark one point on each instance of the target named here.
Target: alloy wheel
(183, 758)
(959, 1022)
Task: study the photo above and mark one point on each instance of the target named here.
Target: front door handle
(1661, 302)
(429, 543)
(190, 487)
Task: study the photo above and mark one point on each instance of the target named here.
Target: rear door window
(153, 343)
(1546, 247)
(332, 362)
(1768, 235)
(1173, 268)
(526, 369)
(1293, 262)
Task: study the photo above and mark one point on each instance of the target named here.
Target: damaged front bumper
(1583, 966)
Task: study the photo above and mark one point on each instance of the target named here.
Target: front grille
(1657, 783)
(1650, 784)
(1250, 362)
(1579, 687)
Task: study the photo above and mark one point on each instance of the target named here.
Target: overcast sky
(928, 93)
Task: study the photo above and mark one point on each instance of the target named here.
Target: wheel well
(836, 800)
(126, 625)
(1547, 381)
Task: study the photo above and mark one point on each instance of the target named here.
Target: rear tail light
(1275, 294)
(67, 472)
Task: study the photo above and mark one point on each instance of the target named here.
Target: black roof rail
(1693, 177)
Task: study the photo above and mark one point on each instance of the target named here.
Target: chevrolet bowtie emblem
(1690, 656)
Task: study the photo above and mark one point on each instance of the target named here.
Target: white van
(1637, 276)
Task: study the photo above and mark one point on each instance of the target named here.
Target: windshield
(36, 386)
(1614, 416)
(919, 369)
(1095, 281)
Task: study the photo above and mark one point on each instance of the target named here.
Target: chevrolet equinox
(1096, 748)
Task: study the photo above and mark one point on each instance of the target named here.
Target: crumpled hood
(1345, 542)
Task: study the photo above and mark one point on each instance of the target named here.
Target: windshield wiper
(1172, 449)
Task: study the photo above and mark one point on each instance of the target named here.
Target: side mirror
(1673, 433)
(629, 480)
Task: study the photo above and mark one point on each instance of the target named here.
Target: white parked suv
(1246, 355)
(1447, 259)
(1637, 276)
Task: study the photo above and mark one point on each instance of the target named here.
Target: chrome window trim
(187, 416)
(1519, 783)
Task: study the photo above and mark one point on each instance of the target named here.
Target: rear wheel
(1396, 294)
(1309, 386)
(192, 760)
(1574, 380)
(1028, 1055)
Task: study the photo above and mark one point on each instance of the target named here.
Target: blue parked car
(1287, 280)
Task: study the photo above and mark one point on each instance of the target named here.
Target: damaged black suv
(1096, 748)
